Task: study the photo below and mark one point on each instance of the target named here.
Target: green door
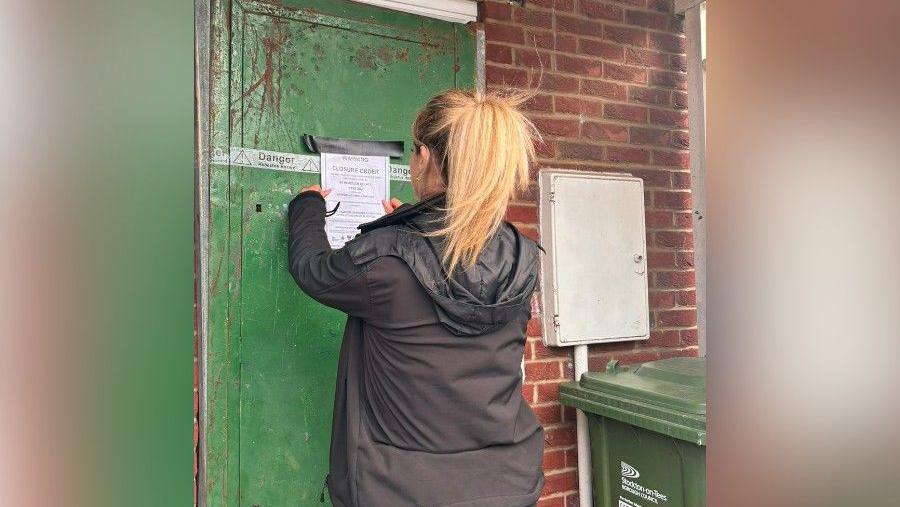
(331, 68)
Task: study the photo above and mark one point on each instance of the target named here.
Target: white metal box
(594, 272)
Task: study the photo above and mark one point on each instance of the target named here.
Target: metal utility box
(647, 425)
(594, 275)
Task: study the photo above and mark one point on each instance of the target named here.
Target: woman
(428, 408)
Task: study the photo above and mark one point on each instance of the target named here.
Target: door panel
(331, 68)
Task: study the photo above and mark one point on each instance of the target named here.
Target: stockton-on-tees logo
(629, 473)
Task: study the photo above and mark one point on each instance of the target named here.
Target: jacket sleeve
(328, 276)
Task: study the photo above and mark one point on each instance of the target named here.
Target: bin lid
(677, 383)
(667, 396)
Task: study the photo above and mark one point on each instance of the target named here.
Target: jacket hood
(472, 301)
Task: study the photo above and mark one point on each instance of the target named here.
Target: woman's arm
(328, 276)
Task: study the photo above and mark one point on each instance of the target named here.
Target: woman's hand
(316, 188)
(390, 206)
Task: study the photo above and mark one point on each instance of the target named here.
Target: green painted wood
(332, 68)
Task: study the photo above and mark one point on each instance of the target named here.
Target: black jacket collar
(405, 213)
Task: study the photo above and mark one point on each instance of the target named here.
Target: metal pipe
(584, 446)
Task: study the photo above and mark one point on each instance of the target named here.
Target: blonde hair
(484, 146)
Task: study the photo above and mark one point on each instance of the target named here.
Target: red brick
(660, 5)
(666, 79)
(664, 338)
(675, 279)
(656, 260)
(497, 53)
(643, 135)
(531, 17)
(582, 66)
(684, 260)
(554, 459)
(530, 232)
(627, 154)
(602, 49)
(556, 126)
(544, 148)
(548, 414)
(632, 36)
(579, 26)
(573, 105)
(680, 318)
(568, 414)
(533, 327)
(534, 59)
(496, 32)
(645, 58)
(661, 300)
(651, 96)
(548, 391)
(572, 455)
(624, 73)
(599, 10)
(494, 10)
(581, 151)
(604, 132)
(505, 76)
(539, 103)
(647, 19)
(652, 177)
(684, 220)
(672, 200)
(544, 370)
(680, 100)
(687, 298)
(675, 239)
(681, 180)
(559, 5)
(560, 436)
(556, 501)
(689, 337)
(658, 219)
(668, 118)
(520, 213)
(681, 140)
(528, 392)
(636, 114)
(572, 500)
(678, 62)
(558, 82)
(605, 89)
(543, 352)
(665, 42)
(672, 159)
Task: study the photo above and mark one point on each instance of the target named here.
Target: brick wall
(612, 98)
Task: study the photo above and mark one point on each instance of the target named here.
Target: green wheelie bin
(647, 425)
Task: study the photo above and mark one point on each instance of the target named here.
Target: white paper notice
(359, 183)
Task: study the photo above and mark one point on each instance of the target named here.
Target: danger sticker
(280, 161)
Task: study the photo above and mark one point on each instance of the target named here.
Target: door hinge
(556, 321)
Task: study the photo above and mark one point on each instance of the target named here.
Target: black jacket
(428, 407)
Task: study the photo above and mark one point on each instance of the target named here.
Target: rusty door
(332, 68)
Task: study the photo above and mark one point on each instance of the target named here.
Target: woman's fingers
(390, 206)
(316, 188)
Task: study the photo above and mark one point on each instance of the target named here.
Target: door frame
(212, 32)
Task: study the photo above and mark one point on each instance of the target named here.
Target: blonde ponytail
(484, 146)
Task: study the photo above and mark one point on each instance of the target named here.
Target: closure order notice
(359, 183)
